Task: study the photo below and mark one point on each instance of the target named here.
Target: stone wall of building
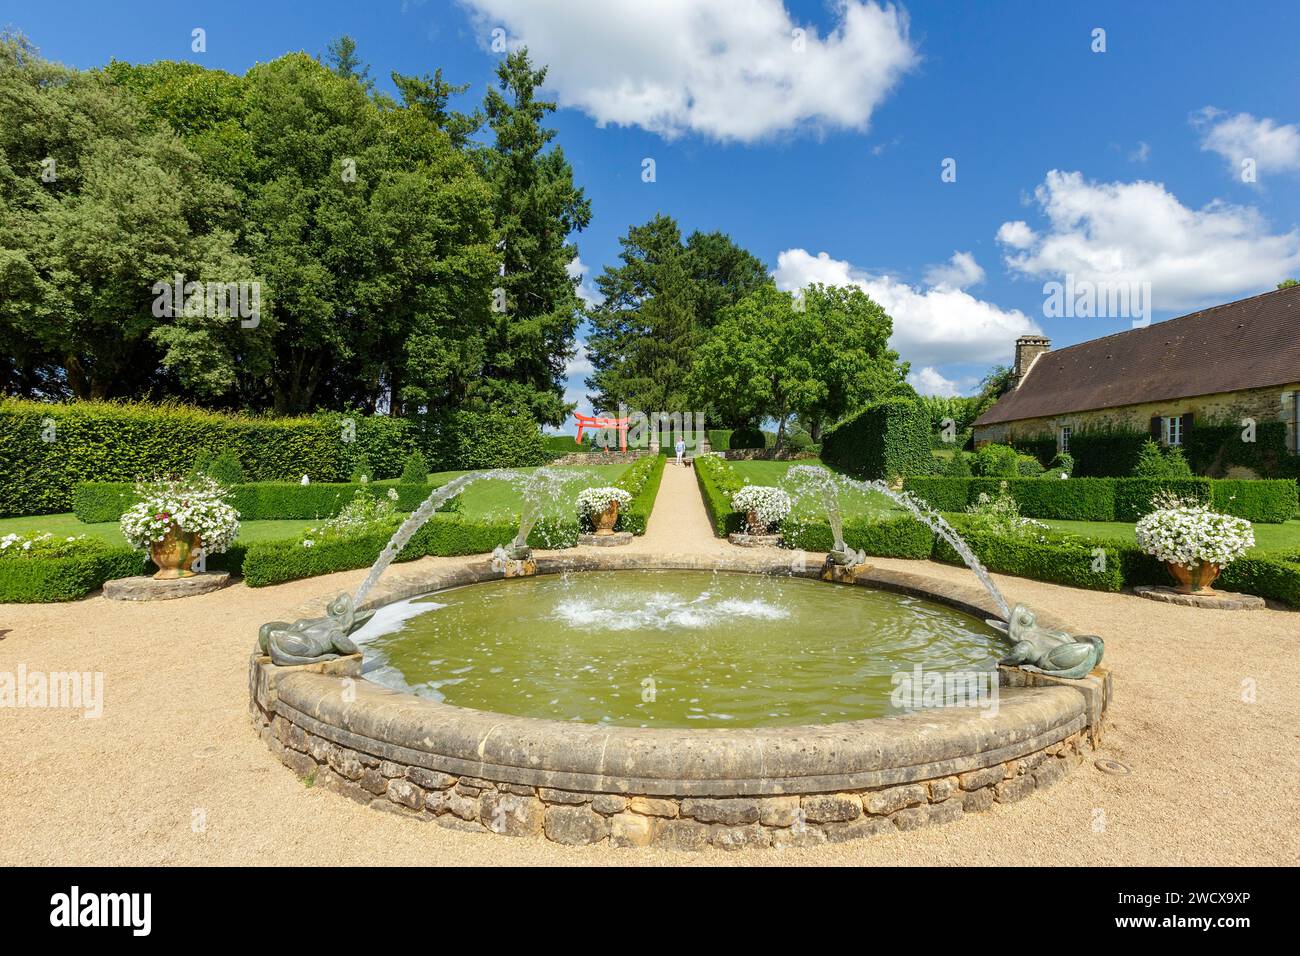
(1262, 404)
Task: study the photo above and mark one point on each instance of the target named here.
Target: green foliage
(900, 537)
(362, 472)
(1042, 447)
(1069, 562)
(996, 461)
(1061, 463)
(1106, 453)
(416, 470)
(466, 441)
(657, 306)
(720, 439)
(1027, 466)
(747, 438)
(1134, 496)
(97, 501)
(884, 440)
(75, 572)
(1214, 447)
(1155, 462)
(958, 466)
(226, 468)
(641, 481)
(274, 562)
(1269, 576)
(1270, 501)
(718, 481)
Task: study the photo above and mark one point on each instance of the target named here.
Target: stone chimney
(1028, 348)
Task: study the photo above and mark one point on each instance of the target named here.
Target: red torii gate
(596, 421)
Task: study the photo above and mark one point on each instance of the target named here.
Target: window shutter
(1155, 428)
(1186, 429)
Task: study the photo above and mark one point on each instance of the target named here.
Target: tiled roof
(1251, 343)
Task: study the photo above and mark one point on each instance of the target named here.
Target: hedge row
(46, 449)
(1111, 499)
(901, 537)
(641, 481)
(884, 440)
(42, 580)
(444, 534)
(96, 501)
(718, 481)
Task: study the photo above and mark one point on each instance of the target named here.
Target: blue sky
(1122, 166)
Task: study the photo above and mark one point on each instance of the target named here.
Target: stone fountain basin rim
(331, 701)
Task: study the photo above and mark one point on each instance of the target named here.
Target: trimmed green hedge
(274, 562)
(46, 449)
(1071, 563)
(1106, 453)
(42, 580)
(641, 481)
(96, 501)
(718, 481)
(1111, 499)
(901, 537)
(884, 440)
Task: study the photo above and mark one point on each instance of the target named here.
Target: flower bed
(641, 480)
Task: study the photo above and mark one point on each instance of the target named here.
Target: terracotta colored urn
(175, 553)
(1198, 578)
(754, 524)
(606, 520)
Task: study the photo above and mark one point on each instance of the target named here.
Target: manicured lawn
(485, 498)
(1268, 537)
(66, 525)
(853, 503)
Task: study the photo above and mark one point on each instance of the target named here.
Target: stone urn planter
(175, 553)
(1193, 579)
(754, 524)
(605, 520)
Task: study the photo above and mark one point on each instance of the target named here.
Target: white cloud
(577, 269)
(1142, 153)
(928, 381)
(1140, 232)
(1016, 234)
(957, 273)
(1273, 147)
(578, 367)
(932, 327)
(728, 69)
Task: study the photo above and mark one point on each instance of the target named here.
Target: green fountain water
(672, 648)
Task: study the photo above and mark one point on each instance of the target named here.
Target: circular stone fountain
(759, 729)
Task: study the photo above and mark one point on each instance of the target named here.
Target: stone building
(1223, 364)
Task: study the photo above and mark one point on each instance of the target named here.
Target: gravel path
(172, 773)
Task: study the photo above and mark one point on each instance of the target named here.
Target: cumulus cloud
(579, 270)
(1274, 147)
(957, 273)
(928, 381)
(729, 69)
(1139, 232)
(932, 327)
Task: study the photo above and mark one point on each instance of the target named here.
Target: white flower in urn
(768, 505)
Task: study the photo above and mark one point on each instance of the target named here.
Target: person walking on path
(681, 448)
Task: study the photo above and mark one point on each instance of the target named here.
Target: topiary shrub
(883, 441)
(416, 470)
(226, 469)
(958, 466)
(362, 472)
(996, 461)
(1155, 462)
(1027, 466)
(1062, 464)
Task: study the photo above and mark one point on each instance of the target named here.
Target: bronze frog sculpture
(309, 640)
(1049, 652)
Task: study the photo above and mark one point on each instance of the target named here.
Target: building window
(1171, 430)
(1063, 441)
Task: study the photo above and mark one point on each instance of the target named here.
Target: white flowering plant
(595, 501)
(195, 505)
(44, 545)
(1189, 533)
(999, 514)
(364, 514)
(771, 505)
